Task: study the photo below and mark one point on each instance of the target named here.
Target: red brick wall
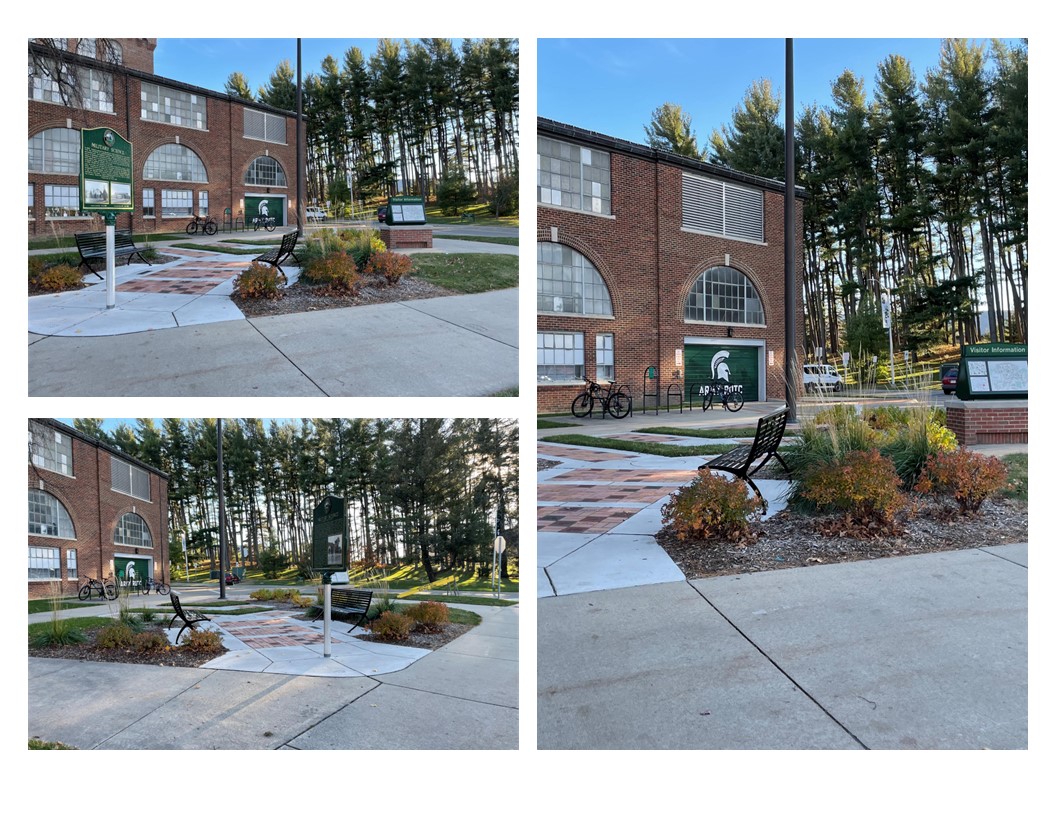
(95, 510)
(222, 149)
(396, 238)
(986, 422)
(649, 264)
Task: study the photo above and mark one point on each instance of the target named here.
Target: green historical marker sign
(106, 171)
(405, 210)
(993, 371)
(330, 535)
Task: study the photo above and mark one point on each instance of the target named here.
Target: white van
(821, 377)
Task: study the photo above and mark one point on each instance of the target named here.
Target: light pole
(496, 561)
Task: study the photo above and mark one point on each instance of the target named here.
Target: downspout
(656, 237)
(99, 508)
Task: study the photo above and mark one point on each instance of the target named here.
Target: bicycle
(106, 589)
(265, 221)
(732, 395)
(207, 225)
(159, 587)
(614, 400)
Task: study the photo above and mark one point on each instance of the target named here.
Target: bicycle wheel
(110, 591)
(256, 224)
(582, 405)
(269, 225)
(163, 589)
(192, 228)
(210, 228)
(619, 405)
(144, 588)
(735, 401)
(85, 593)
(705, 398)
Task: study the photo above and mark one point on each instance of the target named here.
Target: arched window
(86, 47)
(132, 531)
(48, 516)
(265, 171)
(57, 150)
(724, 295)
(567, 283)
(174, 162)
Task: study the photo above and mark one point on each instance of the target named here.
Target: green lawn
(1017, 476)
(227, 250)
(506, 392)
(41, 745)
(44, 604)
(486, 239)
(468, 600)
(544, 424)
(740, 432)
(78, 624)
(481, 213)
(467, 272)
(655, 448)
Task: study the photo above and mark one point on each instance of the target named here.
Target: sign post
(329, 551)
(106, 188)
(885, 309)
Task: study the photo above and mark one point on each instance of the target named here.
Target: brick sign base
(988, 422)
(414, 237)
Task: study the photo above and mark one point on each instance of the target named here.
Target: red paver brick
(582, 519)
(573, 452)
(601, 493)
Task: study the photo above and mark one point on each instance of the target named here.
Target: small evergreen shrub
(968, 478)
(272, 561)
(392, 627)
(115, 636)
(260, 281)
(202, 642)
(863, 485)
(430, 616)
(337, 272)
(59, 278)
(711, 507)
(390, 265)
(152, 641)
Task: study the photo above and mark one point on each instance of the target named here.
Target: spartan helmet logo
(719, 369)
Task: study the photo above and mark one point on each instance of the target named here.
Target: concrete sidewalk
(926, 651)
(462, 696)
(412, 348)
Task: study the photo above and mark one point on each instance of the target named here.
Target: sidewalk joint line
(774, 663)
(286, 356)
(408, 305)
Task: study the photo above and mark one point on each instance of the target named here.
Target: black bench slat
(739, 461)
(280, 254)
(92, 246)
(350, 602)
(188, 616)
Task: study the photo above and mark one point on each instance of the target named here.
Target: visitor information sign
(106, 171)
(993, 371)
(405, 210)
(330, 536)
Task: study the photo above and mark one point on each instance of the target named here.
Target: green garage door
(271, 205)
(130, 568)
(739, 363)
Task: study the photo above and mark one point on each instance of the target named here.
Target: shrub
(455, 191)
(59, 278)
(59, 631)
(301, 601)
(392, 627)
(380, 604)
(37, 264)
(148, 615)
(261, 280)
(967, 477)
(363, 245)
(430, 616)
(202, 642)
(711, 506)
(272, 561)
(335, 271)
(152, 641)
(910, 444)
(861, 484)
(115, 636)
(390, 265)
(823, 442)
(506, 195)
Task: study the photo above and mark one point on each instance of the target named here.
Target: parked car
(383, 213)
(821, 377)
(231, 578)
(315, 214)
(949, 377)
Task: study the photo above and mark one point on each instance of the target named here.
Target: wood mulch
(301, 297)
(427, 640)
(177, 656)
(791, 539)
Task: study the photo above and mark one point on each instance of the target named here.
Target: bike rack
(646, 394)
(674, 388)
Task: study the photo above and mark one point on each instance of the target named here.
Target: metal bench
(188, 616)
(92, 246)
(280, 254)
(350, 601)
(741, 461)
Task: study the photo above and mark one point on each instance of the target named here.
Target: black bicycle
(160, 587)
(207, 225)
(105, 589)
(732, 396)
(614, 400)
(265, 221)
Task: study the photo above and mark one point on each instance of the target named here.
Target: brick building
(650, 259)
(93, 512)
(193, 150)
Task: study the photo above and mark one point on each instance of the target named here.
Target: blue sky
(613, 86)
(207, 63)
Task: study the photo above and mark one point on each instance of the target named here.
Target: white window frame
(604, 356)
(62, 517)
(71, 563)
(549, 354)
(123, 532)
(172, 203)
(46, 558)
(578, 281)
(169, 106)
(50, 191)
(722, 296)
(148, 195)
(551, 180)
(51, 450)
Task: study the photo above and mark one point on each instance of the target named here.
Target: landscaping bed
(301, 297)
(427, 640)
(792, 539)
(89, 650)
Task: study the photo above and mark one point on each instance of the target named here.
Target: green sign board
(266, 206)
(330, 535)
(405, 210)
(727, 363)
(106, 171)
(993, 371)
(130, 570)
